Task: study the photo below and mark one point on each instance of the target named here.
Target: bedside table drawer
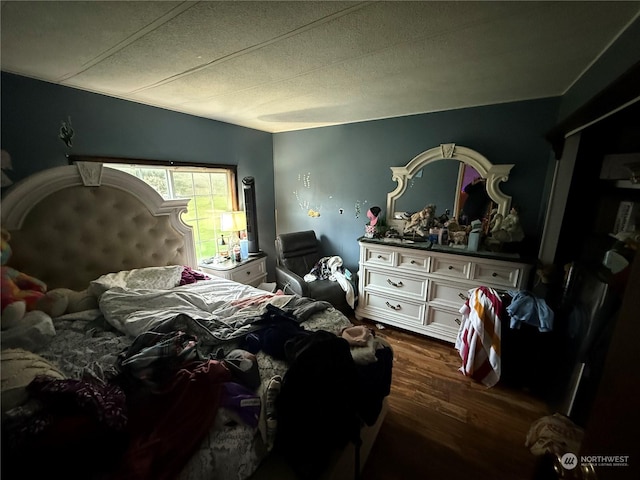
(250, 273)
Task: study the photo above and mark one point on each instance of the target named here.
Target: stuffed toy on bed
(25, 298)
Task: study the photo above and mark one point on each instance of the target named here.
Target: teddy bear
(25, 298)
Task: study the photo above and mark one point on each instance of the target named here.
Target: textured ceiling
(280, 66)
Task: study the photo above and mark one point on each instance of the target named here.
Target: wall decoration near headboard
(68, 231)
(66, 132)
(493, 174)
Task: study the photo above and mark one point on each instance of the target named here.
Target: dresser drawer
(396, 310)
(451, 267)
(497, 275)
(395, 284)
(408, 260)
(377, 256)
(450, 295)
(443, 323)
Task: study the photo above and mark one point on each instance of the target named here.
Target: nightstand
(252, 271)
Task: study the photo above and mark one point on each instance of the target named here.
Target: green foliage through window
(210, 192)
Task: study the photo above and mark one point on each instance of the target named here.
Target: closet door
(562, 176)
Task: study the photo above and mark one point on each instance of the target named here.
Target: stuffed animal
(77, 300)
(507, 229)
(23, 294)
(420, 221)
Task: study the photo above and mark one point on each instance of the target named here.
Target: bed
(157, 371)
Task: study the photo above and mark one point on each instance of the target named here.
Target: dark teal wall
(32, 112)
(346, 166)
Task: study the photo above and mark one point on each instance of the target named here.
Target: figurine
(459, 237)
(420, 221)
(372, 228)
(372, 215)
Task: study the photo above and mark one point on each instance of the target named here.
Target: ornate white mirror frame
(494, 175)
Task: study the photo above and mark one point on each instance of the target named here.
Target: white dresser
(422, 290)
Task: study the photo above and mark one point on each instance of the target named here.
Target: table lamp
(235, 222)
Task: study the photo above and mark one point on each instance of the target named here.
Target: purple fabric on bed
(191, 276)
(105, 402)
(242, 401)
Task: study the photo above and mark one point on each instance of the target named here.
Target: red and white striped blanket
(478, 340)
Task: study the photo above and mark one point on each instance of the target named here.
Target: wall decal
(66, 132)
(304, 196)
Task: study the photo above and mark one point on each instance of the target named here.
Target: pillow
(156, 278)
(18, 368)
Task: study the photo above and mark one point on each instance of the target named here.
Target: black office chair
(297, 254)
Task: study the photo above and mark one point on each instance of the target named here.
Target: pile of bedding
(163, 380)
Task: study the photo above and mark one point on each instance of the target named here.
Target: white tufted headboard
(71, 224)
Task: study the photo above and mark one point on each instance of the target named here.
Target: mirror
(439, 176)
(440, 179)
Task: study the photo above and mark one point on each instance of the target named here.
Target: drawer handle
(380, 257)
(393, 284)
(450, 267)
(397, 307)
(413, 262)
(494, 274)
(248, 272)
(458, 321)
(463, 296)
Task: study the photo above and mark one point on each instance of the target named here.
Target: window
(210, 190)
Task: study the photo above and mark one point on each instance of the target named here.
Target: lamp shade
(234, 221)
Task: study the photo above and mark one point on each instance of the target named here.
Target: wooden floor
(442, 425)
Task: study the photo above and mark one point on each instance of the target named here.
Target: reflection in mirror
(474, 202)
(435, 184)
